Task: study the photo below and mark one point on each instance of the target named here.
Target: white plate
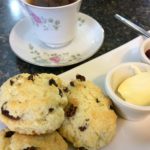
(129, 135)
(24, 43)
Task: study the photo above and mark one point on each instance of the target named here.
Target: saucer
(25, 45)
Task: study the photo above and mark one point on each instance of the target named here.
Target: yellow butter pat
(136, 89)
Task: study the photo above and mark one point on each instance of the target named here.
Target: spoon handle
(132, 25)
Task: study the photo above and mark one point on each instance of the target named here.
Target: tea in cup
(50, 3)
(54, 21)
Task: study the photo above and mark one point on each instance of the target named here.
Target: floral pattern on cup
(53, 57)
(46, 23)
(36, 19)
(50, 23)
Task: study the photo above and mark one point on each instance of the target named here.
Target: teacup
(54, 26)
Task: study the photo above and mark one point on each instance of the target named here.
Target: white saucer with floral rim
(25, 45)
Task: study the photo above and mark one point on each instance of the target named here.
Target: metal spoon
(132, 25)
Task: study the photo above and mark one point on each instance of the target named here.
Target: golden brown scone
(32, 103)
(13, 141)
(90, 122)
(5, 136)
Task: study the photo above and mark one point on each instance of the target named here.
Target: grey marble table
(103, 11)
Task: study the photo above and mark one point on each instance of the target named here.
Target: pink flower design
(36, 18)
(55, 59)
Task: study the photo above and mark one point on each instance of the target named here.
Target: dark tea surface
(50, 3)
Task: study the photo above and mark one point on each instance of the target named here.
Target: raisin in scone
(32, 103)
(90, 121)
(13, 141)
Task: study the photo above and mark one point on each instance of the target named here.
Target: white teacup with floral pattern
(54, 26)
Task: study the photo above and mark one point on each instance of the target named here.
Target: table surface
(103, 11)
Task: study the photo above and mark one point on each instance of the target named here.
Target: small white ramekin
(113, 79)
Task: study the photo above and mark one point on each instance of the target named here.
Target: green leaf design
(50, 20)
(57, 22)
(31, 46)
(55, 27)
